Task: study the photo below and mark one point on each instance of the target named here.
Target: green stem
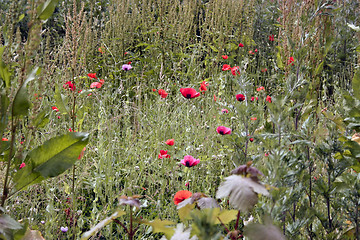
(6, 190)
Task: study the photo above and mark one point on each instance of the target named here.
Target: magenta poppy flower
(223, 130)
(22, 165)
(240, 97)
(126, 67)
(224, 110)
(189, 161)
(189, 93)
(241, 45)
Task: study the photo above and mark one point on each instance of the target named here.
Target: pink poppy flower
(163, 154)
(189, 93)
(189, 161)
(22, 165)
(224, 110)
(223, 130)
(235, 70)
(126, 67)
(95, 85)
(240, 97)
(170, 142)
(226, 67)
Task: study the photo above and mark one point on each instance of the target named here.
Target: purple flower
(126, 67)
(64, 229)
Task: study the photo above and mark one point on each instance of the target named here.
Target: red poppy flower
(268, 98)
(181, 196)
(224, 57)
(95, 85)
(251, 52)
(162, 93)
(170, 142)
(154, 90)
(253, 118)
(267, 154)
(291, 61)
(125, 53)
(260, 88)
(271, 38)
(189, 93)
(100, 50)
(22, 165)
(264, 70)
(256, 50)
(241, 45)
(203, 86)
(55, 109)
(189, 161)
(92, 75)
(102, 81)
(251, 139)
(224, 110)
(240, 97)
(163, 154)
(70, 85)
(235, 70)
(223, 130)
(226, 67)
(4, 139)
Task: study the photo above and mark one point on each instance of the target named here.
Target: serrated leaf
(161, 226)
(184, 212)
(51, 159)
(356, 84)
(102, 224)
(21, 102)
(226, 216)
(46, 9)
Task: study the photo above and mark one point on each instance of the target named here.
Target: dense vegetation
(110, 108)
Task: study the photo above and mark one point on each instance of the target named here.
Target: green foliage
(51, 159)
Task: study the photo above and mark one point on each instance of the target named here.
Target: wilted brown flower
(132, 201)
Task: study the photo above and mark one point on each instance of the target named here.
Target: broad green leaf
(226, 216)
(60, 101)
(356, 84)
(51, 159)
(184, 212)
(102, 224)
(7, 225)
(21, 102)
(45, 10)
(5, 74)
(21, 17)
(161, 226)
(41, 119)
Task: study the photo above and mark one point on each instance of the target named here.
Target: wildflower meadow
(180, 119)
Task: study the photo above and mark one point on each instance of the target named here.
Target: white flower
(242, 191)
(180, 234)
